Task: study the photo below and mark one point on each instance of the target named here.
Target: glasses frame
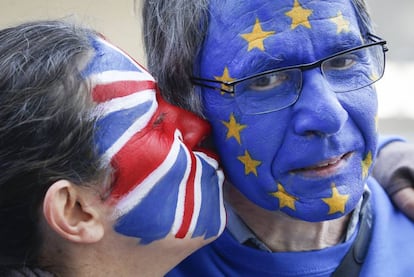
(376, 40)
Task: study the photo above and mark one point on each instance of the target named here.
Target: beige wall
(118, 19)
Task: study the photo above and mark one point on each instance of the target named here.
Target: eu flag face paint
(311, 159)
(162, 186)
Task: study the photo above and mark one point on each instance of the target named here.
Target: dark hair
(46, 131)
(173, 33)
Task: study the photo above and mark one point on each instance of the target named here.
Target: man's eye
(268, 82)
(341, 62)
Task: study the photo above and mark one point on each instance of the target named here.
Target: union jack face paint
(162, 186)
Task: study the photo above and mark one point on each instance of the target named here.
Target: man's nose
(318, 110)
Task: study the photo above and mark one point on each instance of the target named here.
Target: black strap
(353, 260)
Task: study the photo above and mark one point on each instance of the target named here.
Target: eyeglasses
(274, 90)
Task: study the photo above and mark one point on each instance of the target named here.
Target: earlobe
(69, 213)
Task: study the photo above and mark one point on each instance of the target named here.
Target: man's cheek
(362, 108)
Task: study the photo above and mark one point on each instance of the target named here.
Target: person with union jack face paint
(289, 89)
(100, 175)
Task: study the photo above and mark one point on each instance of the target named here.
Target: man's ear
(68, 210)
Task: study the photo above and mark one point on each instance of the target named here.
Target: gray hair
(46, 132)
(173, 33)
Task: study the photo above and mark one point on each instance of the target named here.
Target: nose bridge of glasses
(314, 79)
(312, 73)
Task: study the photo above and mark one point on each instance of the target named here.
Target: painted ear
(68, 210)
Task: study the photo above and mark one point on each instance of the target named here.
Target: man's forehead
(297, 31)
(228, 18)
(230, 11)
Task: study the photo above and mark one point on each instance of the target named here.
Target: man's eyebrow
(258, 64)
(349, 42)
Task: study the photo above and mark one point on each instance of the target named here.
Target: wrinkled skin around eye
(341, 63)
(268, 82)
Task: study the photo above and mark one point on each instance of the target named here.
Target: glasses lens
(268, 92)
(355, 69)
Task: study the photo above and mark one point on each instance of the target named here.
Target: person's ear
(68, 210)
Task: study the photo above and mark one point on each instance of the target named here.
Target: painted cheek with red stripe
(161, 186)
(193, 128)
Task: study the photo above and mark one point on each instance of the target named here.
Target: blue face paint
(309, 160)
(162, 186)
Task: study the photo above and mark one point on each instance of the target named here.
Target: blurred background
(395, 91)
(120, 22)
(118, 19)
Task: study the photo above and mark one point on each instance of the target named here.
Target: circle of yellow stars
(255, 40)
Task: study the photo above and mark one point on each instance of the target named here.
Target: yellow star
(366, 164)
(225, 78)
(337, 202)
(374, 76)
(257, 36)
(285, 199)
(249, 164)
(342, 25)
(299, 16)
(234, 128)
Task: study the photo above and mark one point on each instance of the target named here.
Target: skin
(312, 159)
(164, 186)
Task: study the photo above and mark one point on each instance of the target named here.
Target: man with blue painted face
(288, 87)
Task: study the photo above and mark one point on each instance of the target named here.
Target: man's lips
(324, 168)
